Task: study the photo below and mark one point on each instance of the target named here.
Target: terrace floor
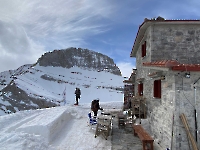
(124, 139)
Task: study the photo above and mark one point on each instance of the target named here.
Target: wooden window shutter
(140, 89)
(144, 49)
(157, 88)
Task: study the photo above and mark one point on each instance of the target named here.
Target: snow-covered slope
(7, 76)
(32, 91)
(40, 87)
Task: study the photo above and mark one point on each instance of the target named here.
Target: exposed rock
(84, 58)
(21, 100)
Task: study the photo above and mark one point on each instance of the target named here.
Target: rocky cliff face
(84, 58)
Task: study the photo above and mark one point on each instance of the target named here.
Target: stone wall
(159, 111)
(166, 43)
(177, 42)
(181, 43)
(185, 103)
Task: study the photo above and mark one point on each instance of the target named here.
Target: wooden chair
(138, 104)
(92, 119)
(104, 126)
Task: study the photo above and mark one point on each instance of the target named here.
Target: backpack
(93, 104)
(79, 91)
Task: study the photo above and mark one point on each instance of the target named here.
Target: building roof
(128, 81)
(173, 65)
(131, 78)
(149, 22)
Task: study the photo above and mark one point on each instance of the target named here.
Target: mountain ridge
(85, 58)
(35, 86)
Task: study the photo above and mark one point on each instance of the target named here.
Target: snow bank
(60, 128)
(111, 105)
(47, 124)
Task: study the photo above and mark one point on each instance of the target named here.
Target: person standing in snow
(95, 107)
(78, 95)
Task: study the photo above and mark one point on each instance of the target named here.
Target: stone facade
(179, 41)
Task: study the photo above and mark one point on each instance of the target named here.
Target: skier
(78, 95)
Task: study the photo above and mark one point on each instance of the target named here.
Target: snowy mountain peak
(83, 58)
(43, 84)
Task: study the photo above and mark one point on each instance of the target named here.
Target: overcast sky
(30, 28)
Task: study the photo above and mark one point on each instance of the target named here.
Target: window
(157, 88)
(140, 89)
(144, 49)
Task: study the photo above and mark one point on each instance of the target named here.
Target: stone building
(167, 56)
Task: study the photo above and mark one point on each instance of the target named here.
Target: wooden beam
(191, 138)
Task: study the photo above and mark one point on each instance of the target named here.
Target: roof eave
(139, 36)
(147, 23)
(186, 68)
(157, 68)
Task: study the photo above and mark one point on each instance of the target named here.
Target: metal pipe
(195, 114)
(172, 131)
(195, 96)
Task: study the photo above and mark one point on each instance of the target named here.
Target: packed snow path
(57, 128)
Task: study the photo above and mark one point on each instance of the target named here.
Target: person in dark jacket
(78, 95)
(95, 107)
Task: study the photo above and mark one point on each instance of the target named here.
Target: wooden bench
(144, 136)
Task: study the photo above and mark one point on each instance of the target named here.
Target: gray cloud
(13, 38)
(29, 28)
(15, 47)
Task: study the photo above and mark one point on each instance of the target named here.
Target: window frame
(140, 89)
(157, 89)
(143, 49)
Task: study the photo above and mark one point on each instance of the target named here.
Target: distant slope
(7, 76)
(38, 86)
